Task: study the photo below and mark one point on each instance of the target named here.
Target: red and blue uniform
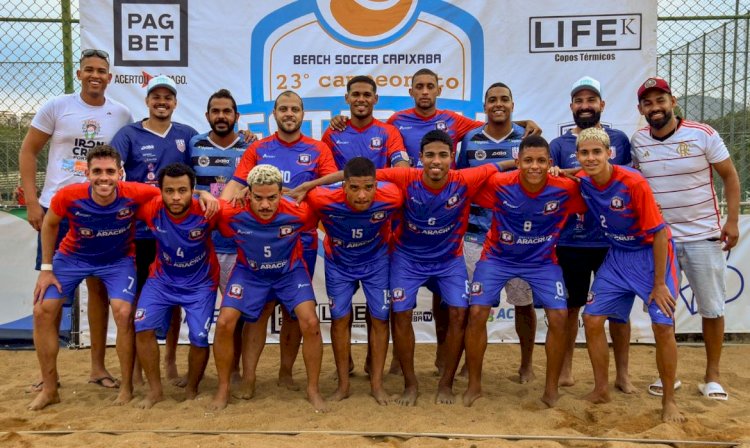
(99, 242)
(428, 243)
(521, 241)
(185, 272)
(356, 247)
(377, 141)
(300, 161)
(413, 127)
(269, 264)
(629, 217)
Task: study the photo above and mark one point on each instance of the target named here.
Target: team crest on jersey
(617, 204)
(337, 242)
(452, 201)
(140, 314)
(514, 152)
(125, 213)
(506, 237)
(377, 216)
(476, 288)
(285, 231)
(167, 259)
(304, 159)
(376, 143)
(86, 233)
(253, 264)
(480, 154)
(398, 295)
(150, 176)
(90, 128)
(412, 227)
(235, 291)
(683, 149)
(196, 234)
(613, 152)
(180, 144)
(441, 126)
(551, 207)
(203, 161)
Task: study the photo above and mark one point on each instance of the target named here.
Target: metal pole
(67, 45)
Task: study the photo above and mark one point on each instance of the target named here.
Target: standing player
(300, 159)
(99, 243)
(365, 136)
(215, 156)
(270, 266)
(498, 141)
(357, 221)
(678, 157)
(529, 208)
(73, 125)
(641, 260)
(185, 274)
(582, 247)
(146, 147)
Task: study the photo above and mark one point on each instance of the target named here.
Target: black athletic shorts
(578, 263)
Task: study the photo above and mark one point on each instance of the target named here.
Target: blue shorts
(447, 278)
(248, 293)
(310, 251)
(628, 272)
(61, 232)
(546, 282)
(118, 277)
(155, 304)
(342, 282)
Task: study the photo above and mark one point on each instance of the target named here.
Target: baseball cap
(654, 83)
(586, 83)
(161, 81)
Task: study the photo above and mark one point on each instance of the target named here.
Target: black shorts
(578, 263)
(145, 254)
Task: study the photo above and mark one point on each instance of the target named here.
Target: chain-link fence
(702, 47)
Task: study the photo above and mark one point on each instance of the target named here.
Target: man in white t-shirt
(74, 124)
(677, 157)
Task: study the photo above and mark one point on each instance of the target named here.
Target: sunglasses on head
(92, 52)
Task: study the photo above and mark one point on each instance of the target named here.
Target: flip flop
(656, 387)
(713, 391)
(100, 382)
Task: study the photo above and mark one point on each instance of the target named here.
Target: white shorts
(517, 290)
(705, 266)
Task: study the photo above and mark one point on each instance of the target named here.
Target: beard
(587, 122)
(225, 132)
(658, 124)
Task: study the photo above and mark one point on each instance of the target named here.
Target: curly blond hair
(264, 175)
(597, 135)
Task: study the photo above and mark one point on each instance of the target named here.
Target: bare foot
(550, 399)
(526, 375)
(317, 401)
(409, 397)
(43, 399)
(395, 368)
(351, 365)
(219, 402)
(341, 393)
(471, 395)
(180, 381)
(191, 393)
(171, 369)
(288, 382)
(123, 397)
(380, 396)
(598, 397)
(566, 380)
(445, 396)
(150, 401)
(625, 386)
(670, 413)
(245, 390)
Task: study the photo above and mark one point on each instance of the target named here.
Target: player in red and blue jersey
(641, 261)
(357, 220)
(99, 243)
(300, 159)
(529, 208)
(270, 266)
(185, 273)
(582, 247)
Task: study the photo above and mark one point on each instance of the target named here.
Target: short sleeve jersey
(214, 166)
(413, 127)
(679, 172)
(355, 238)
(526, 226)
(433, 222)
(100, 234)
(378, 141)
(300, 161)
(75, 128)
(624, 207)
(582, 229)
(270, 248)
(478, 148)
(185, 256)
